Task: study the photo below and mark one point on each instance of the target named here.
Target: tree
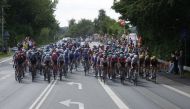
(82, 28)
(29, 17)
(71, 22)
(158, 21)
(105, 25)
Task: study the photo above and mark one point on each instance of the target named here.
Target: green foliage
(82, 28)
(160, 22)
(101, 25)
(29, 17)
(105, 25)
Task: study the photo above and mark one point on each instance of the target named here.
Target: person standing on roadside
(30, 43)
(180, 63)
(176, 62)
(171, 68)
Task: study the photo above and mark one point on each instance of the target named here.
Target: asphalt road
(87, 92)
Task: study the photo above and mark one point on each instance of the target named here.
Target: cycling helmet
(131, 55)
(121, 55)
(135, 56)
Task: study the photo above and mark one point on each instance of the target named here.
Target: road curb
(5, 59)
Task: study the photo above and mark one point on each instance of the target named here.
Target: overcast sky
(78, 9)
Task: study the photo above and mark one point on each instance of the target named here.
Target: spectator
(171, 67)
(176, 62)
(180, 63)
(30, 44)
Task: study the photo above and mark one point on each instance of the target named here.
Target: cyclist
(54, 58)
(104, 64)
(154, 64)
(141, 63)
(71, 58)
(122, 62)
(66, 59)
(95, 62)
(134, 68)
(33, 62)
(77, 58)
(60, 62)
(147, 66)
(113, 65)
(47, 62)
(19, 60)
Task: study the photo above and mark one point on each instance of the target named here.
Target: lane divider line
(46, 95)
(113, 96)
(5, 60)
(41, 95)
(176, 90)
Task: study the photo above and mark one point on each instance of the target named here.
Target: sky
(78, 9)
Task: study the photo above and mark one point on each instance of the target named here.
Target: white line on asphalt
(79, 85)
(41, 95)
(176, 90)
(5, 60)
(5, 77)
(113, 96)
(46, 95)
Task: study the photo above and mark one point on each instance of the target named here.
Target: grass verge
(4, 55)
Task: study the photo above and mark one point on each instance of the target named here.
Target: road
(87, 92)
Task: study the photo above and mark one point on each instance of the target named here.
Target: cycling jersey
(54, 58)
(60, 59)
(47, 59)
(66, 57)
(19, 58)
(33, 59)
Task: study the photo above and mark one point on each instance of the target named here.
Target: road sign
(69, 102)
(79, 85)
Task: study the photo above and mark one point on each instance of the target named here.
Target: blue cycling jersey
(66, 58)
(85, 56)
(71, 55)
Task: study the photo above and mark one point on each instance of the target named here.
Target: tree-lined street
(111, 54)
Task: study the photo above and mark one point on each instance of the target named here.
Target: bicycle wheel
(135, 79)
(33, 73)
(65, 70)
(122, 76)
(16, 75)
(71, 67)
(60, 73)
(19, 76)
(48, 76)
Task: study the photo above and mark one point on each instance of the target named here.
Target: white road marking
(5, 77)
(46, 95)
(161, 102)
(5, 60)
(113, 96)
(41, 95)
(79, 85)
(176, 90)
(68, 102)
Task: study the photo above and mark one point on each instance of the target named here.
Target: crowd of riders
(119, 58)
(116, 58)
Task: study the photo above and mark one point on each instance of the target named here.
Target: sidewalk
(184, 80)
(175, 82)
